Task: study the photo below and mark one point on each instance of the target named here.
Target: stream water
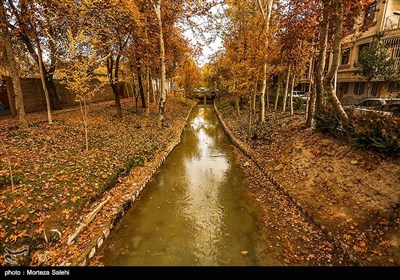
(195, 211)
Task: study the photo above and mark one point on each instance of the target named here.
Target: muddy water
(195, 211)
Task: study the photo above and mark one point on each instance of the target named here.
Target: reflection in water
(204, 201)
(195, 211)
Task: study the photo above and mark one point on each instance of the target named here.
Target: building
(380, 16)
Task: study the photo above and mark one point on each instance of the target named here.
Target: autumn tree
(157, 4)
(189, 76)
(350, 10)
(6, 37)
(171, 45)
(78, 72)
(112, 23)
(298, 41)
(266, 11)
(40, 25)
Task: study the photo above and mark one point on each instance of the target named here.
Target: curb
(128, 201)
(242, 147)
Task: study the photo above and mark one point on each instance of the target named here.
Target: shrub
(369, 130)
(298, 103)
(378, 132)
(326, 121)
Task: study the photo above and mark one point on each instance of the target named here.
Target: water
(195, 211)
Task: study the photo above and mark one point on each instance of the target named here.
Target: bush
(376, 131)
(327, 122)
(370, 130)
(298, 103)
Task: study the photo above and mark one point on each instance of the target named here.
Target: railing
(392, 23)
(393, 45)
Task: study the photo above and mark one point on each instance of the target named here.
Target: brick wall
(34, 99)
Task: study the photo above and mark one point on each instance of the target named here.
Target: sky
(207, 50)
(207, 40)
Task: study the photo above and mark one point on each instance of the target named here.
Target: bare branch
(261, 8)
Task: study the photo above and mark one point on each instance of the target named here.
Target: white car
(368, 105)
(300, 94)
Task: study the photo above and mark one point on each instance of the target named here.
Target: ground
(286, 233)
(354, 194)
(57, 181)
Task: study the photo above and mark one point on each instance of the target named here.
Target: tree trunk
(152, 90)
(254, 99)
(323, 44)
(42, 78)
(132, 89)
(148, 86)
(291, 94)
(141, 90)
(250, 119)
(117, 101)
(19, 98)
(51, 89)
(330, 78)
(136, 92)
(267, 18)
(262, 94)
(311, 104)
(127, 89)
(113, 76)
(278, 91)
(85, 120)
(163, 94)
(237, 105)
(157, 95)
(286, 93)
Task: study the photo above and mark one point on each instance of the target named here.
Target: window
(374, 89)
(359, 88)
(345, 57)
(370, 13)
(344, 88)
(394, 87)
(369, 103)
(394, 50)
(365, 103)
(376, 103)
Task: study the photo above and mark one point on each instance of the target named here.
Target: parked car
(393, 108)
(300, 94)
(367, 105)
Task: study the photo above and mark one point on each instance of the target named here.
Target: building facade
(380, 16)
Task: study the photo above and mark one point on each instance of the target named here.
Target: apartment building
(380, 16)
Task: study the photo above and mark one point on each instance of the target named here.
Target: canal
(195, 211)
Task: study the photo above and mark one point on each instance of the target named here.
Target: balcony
(392, 23)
